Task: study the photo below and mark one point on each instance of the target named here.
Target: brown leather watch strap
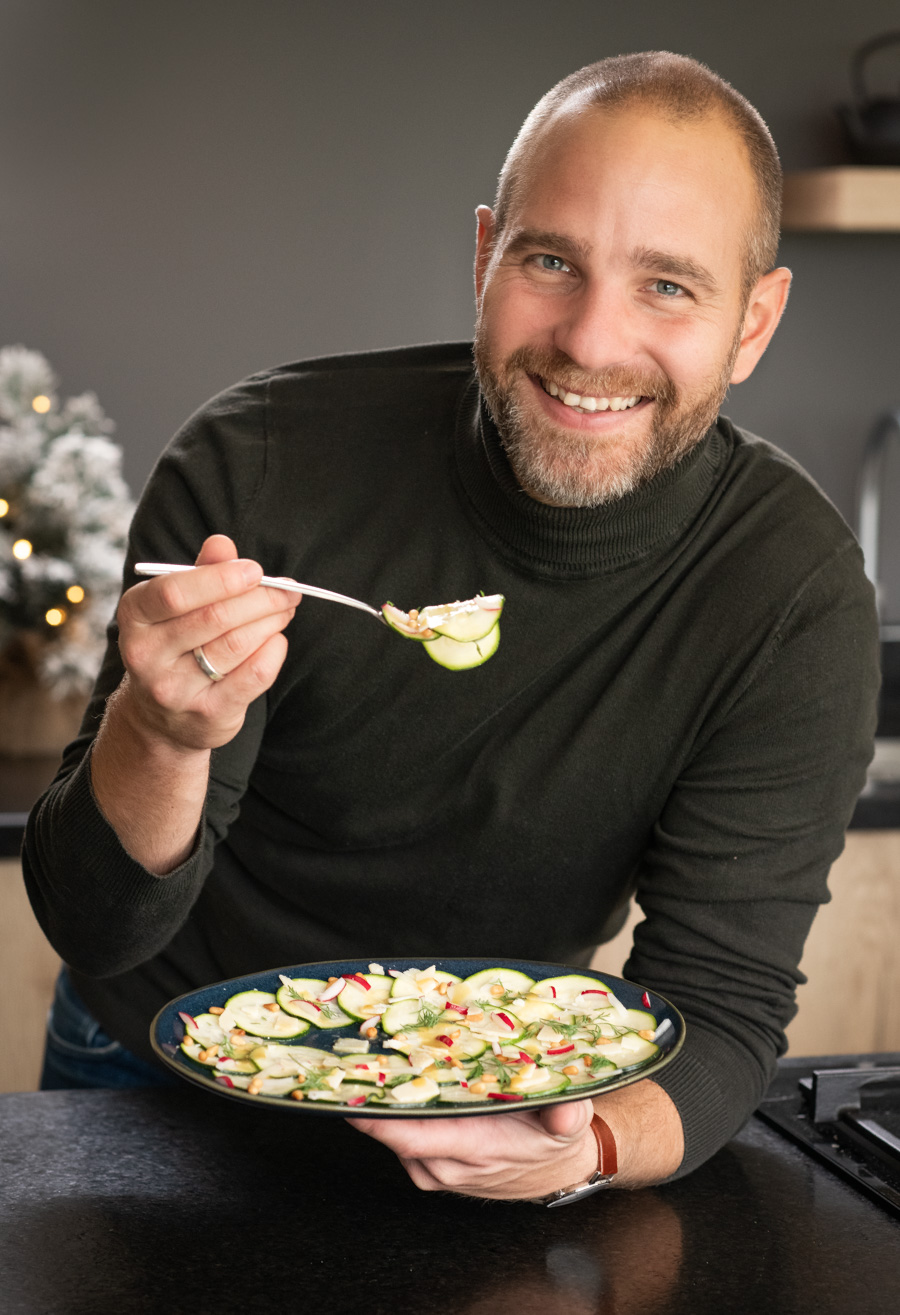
(607, 1159)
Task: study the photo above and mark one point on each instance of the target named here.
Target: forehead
(631, 175)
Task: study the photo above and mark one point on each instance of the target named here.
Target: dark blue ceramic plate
(167, 1032)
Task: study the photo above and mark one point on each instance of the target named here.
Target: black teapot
(872, 123)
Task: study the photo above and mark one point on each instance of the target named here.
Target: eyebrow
(664, 262)
(526, 239)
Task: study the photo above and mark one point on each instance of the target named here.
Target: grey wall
(193, 189)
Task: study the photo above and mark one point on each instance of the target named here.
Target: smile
(586, 405)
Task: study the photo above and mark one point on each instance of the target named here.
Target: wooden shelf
(851, 199)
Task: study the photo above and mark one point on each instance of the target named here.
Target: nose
(597, 327)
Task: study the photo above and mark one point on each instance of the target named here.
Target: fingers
(220, 607)
(170, 596)
(567, 1121)
(506, 1157)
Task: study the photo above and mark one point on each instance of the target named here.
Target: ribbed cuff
(709, 1117)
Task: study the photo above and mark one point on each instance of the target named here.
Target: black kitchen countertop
(178, 1201)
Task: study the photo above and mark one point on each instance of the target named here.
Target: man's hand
(515, 1156)
(238, 625)
(150, 762)
(505, 1157)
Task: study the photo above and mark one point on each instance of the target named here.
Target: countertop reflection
(175, 1201)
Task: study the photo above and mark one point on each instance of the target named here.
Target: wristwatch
(607, 1165)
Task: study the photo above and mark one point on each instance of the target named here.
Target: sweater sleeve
(102, 911)
(738, 861)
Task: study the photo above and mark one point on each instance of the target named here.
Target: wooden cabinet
(851, 1002)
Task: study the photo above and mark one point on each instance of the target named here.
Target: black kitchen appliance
(844, 1110)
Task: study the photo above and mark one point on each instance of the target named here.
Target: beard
(568, 469)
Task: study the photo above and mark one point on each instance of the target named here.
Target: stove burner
(845, 1110)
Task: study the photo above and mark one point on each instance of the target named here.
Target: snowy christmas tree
(64, 516)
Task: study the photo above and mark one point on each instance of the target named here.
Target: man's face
(611, 306)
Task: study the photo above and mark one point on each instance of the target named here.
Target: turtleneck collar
(575, 542)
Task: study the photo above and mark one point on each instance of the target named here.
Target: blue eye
(555, 264)
(667, 289)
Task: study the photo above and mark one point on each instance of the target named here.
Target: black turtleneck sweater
(681, 708)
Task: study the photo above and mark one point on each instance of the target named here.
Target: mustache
(614, 381)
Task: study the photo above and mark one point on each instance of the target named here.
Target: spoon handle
(273, 582)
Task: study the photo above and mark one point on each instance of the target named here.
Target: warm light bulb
(4, 506)
(21, 549)
(75, 593)
(41, 404)
(55, 616)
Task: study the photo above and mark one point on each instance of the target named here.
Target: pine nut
(273, 1008)
(216, 1009)
(255, 1086)
(646, 1033)
(296, 1094)
(496, 989)
(571, 1069)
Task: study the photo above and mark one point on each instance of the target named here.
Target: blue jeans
(79, 1053)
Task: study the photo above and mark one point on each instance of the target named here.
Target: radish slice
(334, 989)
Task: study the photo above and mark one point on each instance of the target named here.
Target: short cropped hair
(680, 89)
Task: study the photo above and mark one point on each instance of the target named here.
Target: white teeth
(589, 404)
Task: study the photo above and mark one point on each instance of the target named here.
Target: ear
(484, 246)
(764, 309)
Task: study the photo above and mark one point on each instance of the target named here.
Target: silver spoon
(273, 582)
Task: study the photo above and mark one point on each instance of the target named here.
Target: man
(681, 707)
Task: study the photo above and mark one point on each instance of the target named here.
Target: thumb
(567, 1122)
(217, 548)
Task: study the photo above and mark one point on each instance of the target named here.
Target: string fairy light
(4, 507)
(54, 616)
(41, 404)
(75, 593)
(21, 549)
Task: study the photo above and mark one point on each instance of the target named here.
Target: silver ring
(205, 665)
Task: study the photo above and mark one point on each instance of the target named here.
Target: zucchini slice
(204, 1028)
(405, 623)
(417, 1091)
(299, 997)
(248, 1009)
(478, 985)
(457, 656)
(465, 622)
(356, 1000)
(537, 1082)
(563, 990)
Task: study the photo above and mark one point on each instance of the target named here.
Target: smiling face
(612, 315)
